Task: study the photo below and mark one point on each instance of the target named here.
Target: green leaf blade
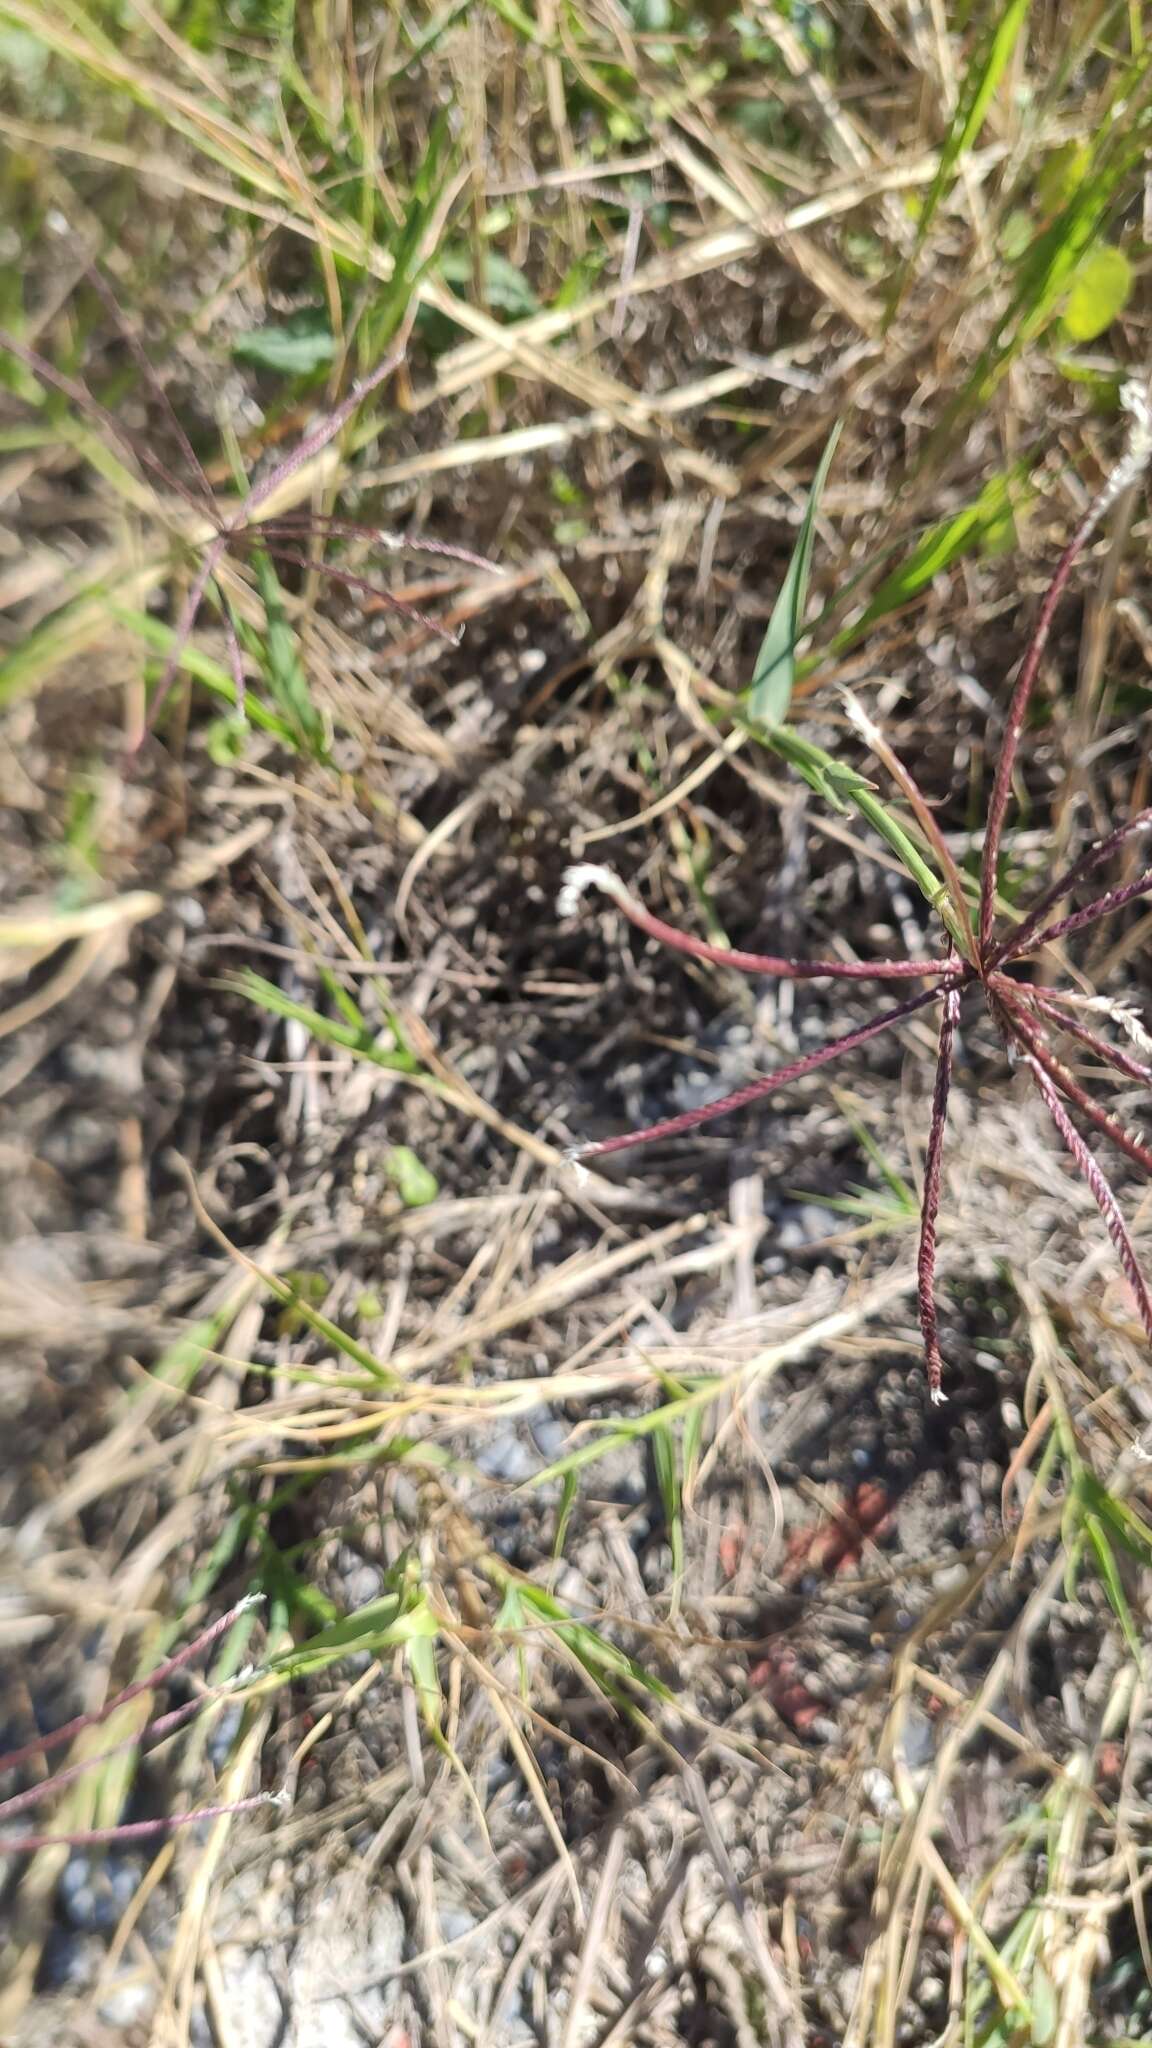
(774, 677)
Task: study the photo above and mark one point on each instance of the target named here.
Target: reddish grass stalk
(84, 401)
(155, 1731)
(133, 1830)
(1114, 1055)
(182, 632)
(1102, 1194)
(292, 524)
(586, 875)
(148, 372)
(327, 429)
(1115, 899)
(1022, 940)
(754, 1091)
(922, 811)
(313, 444)
(1068, 1085)
(235, 657)
(41, 1745)
(930, 1205)
(1125, 472)
(349, 580)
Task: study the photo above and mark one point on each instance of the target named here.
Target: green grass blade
(941, 545)
(350, 1037)
(570, 1493)
(666, 1461)
(281, 661)
(979, 90)
(202, 669)
(774, 677)
(1113, 1585)
(846, 789)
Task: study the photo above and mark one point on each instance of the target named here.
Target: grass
(730, 381)
(976, 955)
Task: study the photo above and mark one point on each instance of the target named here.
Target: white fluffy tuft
(578, 879)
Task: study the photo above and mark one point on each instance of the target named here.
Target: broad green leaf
(774, 677)
(1100, 291)
(1062, 172)
(506, 289)
(298, 347)
(412, 1180)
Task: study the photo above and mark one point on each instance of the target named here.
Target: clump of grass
(978, 954)
(253, 530)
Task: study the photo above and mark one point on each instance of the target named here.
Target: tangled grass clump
(254, 530)
(978, 955)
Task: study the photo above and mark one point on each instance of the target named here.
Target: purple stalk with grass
(979, 956)
(156, 1730)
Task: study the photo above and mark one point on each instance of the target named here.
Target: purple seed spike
(84, 401)
(189, 613)
(768, 1084)
(1071, 1089)
(1022, 940)
(314, 443)
(41, 1745)
(47, 1788)
(1125, 472)
(136, 1830)
(317, 523)
(1091, 1171)
(1114, 1055)
(1093, 912)
(930, 1205)
(147, 370)
(348, 580)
